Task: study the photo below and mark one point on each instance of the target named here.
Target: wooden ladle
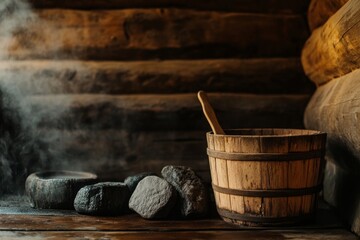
(209, 113)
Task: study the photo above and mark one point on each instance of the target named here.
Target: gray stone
(106, 198)
(192, 192)
(132, 181)
(56, 189)
(153, 198)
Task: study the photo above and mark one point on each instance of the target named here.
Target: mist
(22, 147)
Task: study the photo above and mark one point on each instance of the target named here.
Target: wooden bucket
(266, 177)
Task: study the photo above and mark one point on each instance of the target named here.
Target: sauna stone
(132, 181)
(153, 197)
(56, 189)
(106, 198)
(193, 195)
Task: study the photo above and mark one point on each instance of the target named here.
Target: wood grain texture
(69, 224)
(265, 175)
(274, 175)
(269, 6)
(267, 75)
(22, 217)
(162, 112)
(332, 50)
(224, 201)
(220, 235)
(157, 34)
(245, 175)
(209, 113)
(321, 10)
(79, 222)
(334, 108)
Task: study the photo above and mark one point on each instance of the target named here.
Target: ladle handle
(209, 113)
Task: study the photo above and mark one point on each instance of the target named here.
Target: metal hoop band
(263, 220)
(270, 192)
(292, 156)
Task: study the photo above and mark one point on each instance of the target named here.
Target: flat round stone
(56, 189)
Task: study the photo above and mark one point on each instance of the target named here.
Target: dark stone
(132, 181)
(193, 195)
(56, 189)
(106, 198)
(153, 198)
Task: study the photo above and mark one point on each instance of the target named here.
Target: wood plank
(296, 175)
(162, 112)
(244, 175)
(27, 218)
(274, 175)
(332, 50)
(270, 75)
(11, 225)
(16, 207)
(156, 33)
(131, 222)
(269, 6)
(260, 235)
(334, 108)
(321, 10)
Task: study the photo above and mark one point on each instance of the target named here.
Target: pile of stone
(179, 193)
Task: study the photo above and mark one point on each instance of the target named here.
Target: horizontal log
(275, 75)
(321, 10)
(162, 112)
(333, 50)
(124, 152)
(260, 6)
(334, 108)
(156, 33)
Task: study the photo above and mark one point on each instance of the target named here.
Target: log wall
(110, 86)
(247, 6)
(330, 59)
(166, 33)
(332, 50)
(321, 10)
(257, 76)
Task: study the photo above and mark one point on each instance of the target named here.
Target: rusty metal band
(292, 156)
(259, 219)
(270, 192)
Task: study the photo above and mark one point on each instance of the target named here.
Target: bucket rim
(306, 132)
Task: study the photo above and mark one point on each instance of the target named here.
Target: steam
(14, 16)
(26, 145)
(21, 148)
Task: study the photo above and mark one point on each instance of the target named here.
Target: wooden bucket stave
(266, 176)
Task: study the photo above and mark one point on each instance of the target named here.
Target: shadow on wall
(341, 190)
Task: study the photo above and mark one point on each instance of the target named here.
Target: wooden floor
(19, 222)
